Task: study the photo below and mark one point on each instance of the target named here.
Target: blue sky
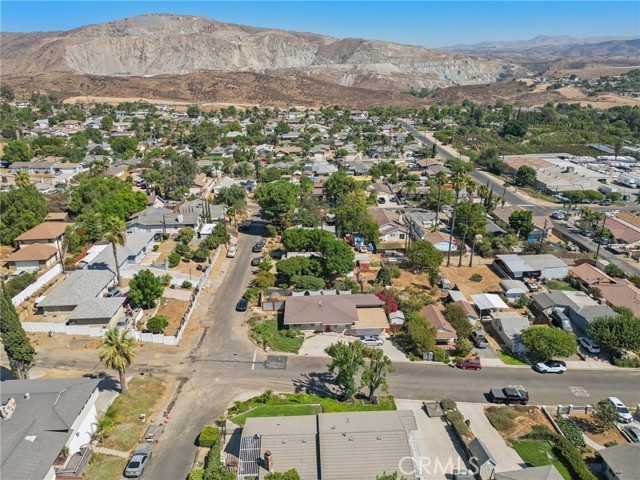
(432, 24)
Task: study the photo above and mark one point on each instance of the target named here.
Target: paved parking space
(506, 458)
(439, 450)
(315, 344)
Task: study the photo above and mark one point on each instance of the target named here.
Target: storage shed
(513, 289)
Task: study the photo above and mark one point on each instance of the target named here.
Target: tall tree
(278, 200)
(470, 187)
(521, 223)
(16, 343)
(426, 257)
(145, 288)
(346, 360)
(20, 209)
(617, 333)
(22, 179)
(118, 353)
(459, 180)
(374, 376)
(441, 180)
(338, 186)
(544, 343)
(17, 151)
(115, 232)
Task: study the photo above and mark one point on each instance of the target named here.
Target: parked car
(606, 202)
(470, 364)
(508, 395)
(633, 432)
(255, 261)
(232, 251)
(479, 339)
(371, 341)
(257, 248)
(242, 305)
(137, 463)
(551, 366)
(113, 293)
(624, 415)
(589, 345)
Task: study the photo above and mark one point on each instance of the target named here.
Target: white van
(624, 415)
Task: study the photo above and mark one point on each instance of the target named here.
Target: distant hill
(159, 44)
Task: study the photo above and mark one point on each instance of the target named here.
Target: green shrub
(197, 474)
(448, 404)
(571, 431)
(213, 469)
(157, 324)
(272, 231)
(456, 420)
(174, 259)
(627, 362)
(540, 432)
(208, 436)
(265, 397)
(187, 284)
(476, 277)
(501, 417)
(155, 249)
(570, 456)
(19, 283)
(182, 249)
(395, 271)
(252, 293)
(440, 355)
(610, 444)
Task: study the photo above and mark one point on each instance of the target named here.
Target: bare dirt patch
(585, 422)
(460, 276)
(524, 419)
(174, 310)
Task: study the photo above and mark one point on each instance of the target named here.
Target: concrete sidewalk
(571, 365)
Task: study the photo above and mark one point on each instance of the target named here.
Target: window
(402, 235)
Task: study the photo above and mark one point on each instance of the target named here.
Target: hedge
(456, 420)
(448, 404)
(213, 468)
(174, 259)
(197, 474)
(571, 431)
(572, 459)
(208, 436)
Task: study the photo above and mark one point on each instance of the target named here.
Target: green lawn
(559, 285)
(511, 358)
(268, 333)
(104, 467)
(144, 394)
(287, 404)
(537, 452)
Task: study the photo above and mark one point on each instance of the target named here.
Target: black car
(257, 248)
(242, 305)
(255, 262)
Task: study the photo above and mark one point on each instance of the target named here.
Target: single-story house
(482, 458)
(131, 253)
(382, 191)
(544, 266)
(472, 315)
(421, 223)
(33, 257)
(162, 220)
(39, 419)
(618, 292)
(544, 472)
(446, 335)
(202, 185)
(98, 311)
(389, 223)
(508, 326)
(48, 233)
(513, 289)
(78, 287)
(620, 462)
(440, 240)
(357, 314)
(488, 302)
(329, 446)
(578, 306)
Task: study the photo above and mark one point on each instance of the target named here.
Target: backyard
(559, 285)
(174, 310)
(291, 404)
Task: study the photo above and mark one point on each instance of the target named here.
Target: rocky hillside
(151, 45)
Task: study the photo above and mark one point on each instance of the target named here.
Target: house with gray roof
(544, 472)
(329, 446)
(509, 326)
(39, 419)
(162, 220)
(78, 286)
(137, 244)
(620, 462)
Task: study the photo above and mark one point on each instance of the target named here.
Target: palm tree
(22, 179)
(470, 187)
(411, 186)
(459, 180)
(441, 181)
(116, 234)
(118, 352)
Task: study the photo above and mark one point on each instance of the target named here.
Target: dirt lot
(174, 310)
(460, 276)
(523, 424)
(584, 421)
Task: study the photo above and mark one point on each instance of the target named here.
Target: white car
(552, 366)
(624, 415)
(371, 341)
(589, 345)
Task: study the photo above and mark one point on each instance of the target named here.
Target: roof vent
(27, 395)
(378, 437)
(8, 408)
(351, 439)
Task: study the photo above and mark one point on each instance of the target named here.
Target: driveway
(506, 458)
(315, 345)
(440, 452)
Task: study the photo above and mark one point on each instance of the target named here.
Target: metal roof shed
(488, 301)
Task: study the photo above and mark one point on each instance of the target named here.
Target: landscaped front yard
(104, 467)
(511, 358)
(267, 333)
(145, 395)
(290, 404)
(537, 453)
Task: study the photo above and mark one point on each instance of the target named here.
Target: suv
(589, 345)
(479, 339)
(606, 202)
(257, 248)
(470, 364)
(624, 415)
(371, 341)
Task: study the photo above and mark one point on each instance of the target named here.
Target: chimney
(8, 408)
(268, 460)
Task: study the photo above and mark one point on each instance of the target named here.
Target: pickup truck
(508, 395)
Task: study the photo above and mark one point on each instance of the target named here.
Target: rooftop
(79, 286)
(32, 252)
(327, 310)
(44, 231)
(623, 459)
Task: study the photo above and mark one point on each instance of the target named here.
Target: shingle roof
(97, 308)
(624, 459)
(47, 415)
(34, 251)
(134, 244)
(591, 275)
(435, 316)
(327, 310)
(159, 216)
(545, 472)
(480, 451)
(44, 231)
(78, 287)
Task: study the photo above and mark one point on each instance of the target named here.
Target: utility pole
(599, 239)
(544, 233)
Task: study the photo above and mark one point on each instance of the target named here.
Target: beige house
(33, 257)
(47, 233)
